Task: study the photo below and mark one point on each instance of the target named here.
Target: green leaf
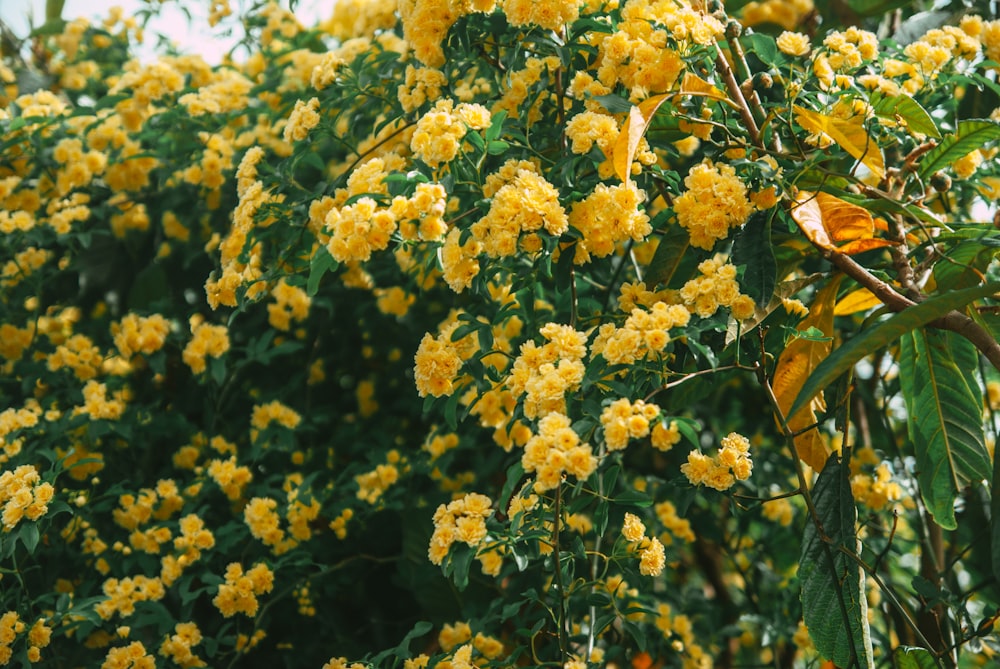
(916, 117)
(971, 135)
(762, 45)
(965, 264)
(883, 334)
(419, 629)
(320, 264)
(497, 147)
(908, 657)
(150, 286)
(944, 404)
(752, 247)
(669, 254)
(834, 605)
(995, 519)
(29, 536)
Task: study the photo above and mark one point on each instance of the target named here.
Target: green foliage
(471, 334)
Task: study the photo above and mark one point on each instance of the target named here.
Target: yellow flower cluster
(221, 290)
(681, 629)
(675, 525)
(358, 229)
(302, 119)
(849, 50)
(438, 361)
(231, 478)
(459, 262)
(732, 463)
(549, 14)
(240, 591)
(438, 135)
(715, 202)
(177, 647)
(290, 303)
(544, 374)
(644, 334)
(274, 412)
(339, 524)
(623, 420)
(789, 14)
(422, 215)
(638, 55)
(23, 495)
(607, 216)
(140, 334)
(77, 169)
(23, 265)
(425, 25)
(463, 519)
(260, 516)
(652, 556)
(360, 18)
(421, 84)
(556, 450)
(716, 287)
(206, 340)
(876, 491)
(97, 405)
(132, 656)
(11, 421)
(122, 595)
(526, 205)
(372, 485)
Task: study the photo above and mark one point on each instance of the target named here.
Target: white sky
(195, 38)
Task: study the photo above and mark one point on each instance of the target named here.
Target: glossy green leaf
(995, 520)
(668, 257)
(883, 334)
(908, 657)
(834, 605)
(971, 135)
(906, 108)
(752, 247)
(320, 264)
(944, 404)
(965, 265)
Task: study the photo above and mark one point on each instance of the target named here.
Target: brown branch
(954, 320)
(722, 65)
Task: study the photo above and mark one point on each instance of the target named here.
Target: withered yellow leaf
(861, 299)
(631, 135)
(849, 134)
(692, 84)
(795, 364)
(826, 219)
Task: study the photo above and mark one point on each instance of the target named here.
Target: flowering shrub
(558, 333)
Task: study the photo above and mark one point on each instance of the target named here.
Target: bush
(504, 334)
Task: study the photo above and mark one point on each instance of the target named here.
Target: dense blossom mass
(501, 333)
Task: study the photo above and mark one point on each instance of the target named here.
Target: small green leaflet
(320, 264)
(908, 657)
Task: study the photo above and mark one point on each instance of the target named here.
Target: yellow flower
(302, 119)
(794, 44)
(651, 558)
(633, 529)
